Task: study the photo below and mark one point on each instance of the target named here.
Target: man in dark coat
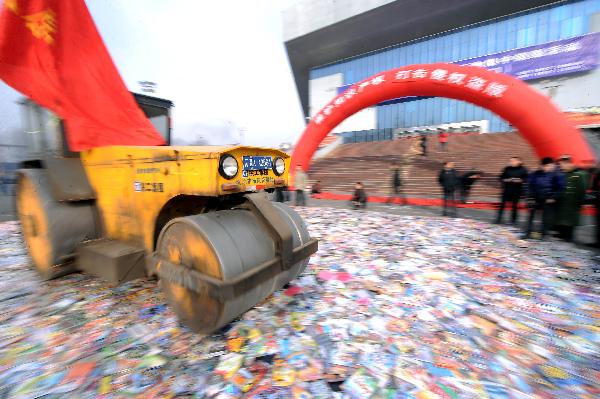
(450, 182)
(513, 176)
(571, 199)
(543, 188)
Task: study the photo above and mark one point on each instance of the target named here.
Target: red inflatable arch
(531, 113)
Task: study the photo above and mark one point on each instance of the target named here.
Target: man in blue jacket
(544, 186)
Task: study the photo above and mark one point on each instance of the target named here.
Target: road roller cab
(195, 217)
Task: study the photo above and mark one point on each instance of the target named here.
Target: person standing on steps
(300, 182)
(450, 182)
(396, 184)
(443, 139)
(543, 187)
(423, 144)
(513, 177)
(571, 199)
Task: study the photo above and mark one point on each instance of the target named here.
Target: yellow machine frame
(135, 186)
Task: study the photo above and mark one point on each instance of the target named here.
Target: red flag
(51, 52)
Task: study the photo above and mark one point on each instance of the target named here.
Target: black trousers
(465, 191)
(512, 198)
(300, 200)
(547, 211)
(449, 203)
(358, 204)
(279, 194)
(598, 223)
(565, 232)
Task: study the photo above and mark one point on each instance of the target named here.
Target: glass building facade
(537, 26)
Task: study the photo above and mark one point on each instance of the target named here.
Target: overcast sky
(222, 63)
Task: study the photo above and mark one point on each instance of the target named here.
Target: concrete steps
(370, 163)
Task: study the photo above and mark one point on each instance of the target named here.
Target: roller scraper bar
(259, 204)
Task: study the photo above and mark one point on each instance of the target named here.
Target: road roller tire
(223, 245)
(51, 229)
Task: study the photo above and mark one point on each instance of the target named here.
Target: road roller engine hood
(212, 170)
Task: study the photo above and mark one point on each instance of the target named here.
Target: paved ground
(584, 234)
(7, 211)
(390, 306)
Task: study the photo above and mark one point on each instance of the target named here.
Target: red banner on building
(586, 118)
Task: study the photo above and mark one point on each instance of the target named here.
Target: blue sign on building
(578, 54)
(560, 57)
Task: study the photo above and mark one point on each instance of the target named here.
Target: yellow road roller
(197, 218)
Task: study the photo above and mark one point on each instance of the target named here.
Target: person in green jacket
(571, 199)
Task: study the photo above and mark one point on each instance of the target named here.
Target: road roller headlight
(278, 166)
(228, 166)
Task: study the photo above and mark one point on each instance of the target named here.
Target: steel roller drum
(52, 229)
(223, 245)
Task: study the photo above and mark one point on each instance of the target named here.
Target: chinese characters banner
(532, 113)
